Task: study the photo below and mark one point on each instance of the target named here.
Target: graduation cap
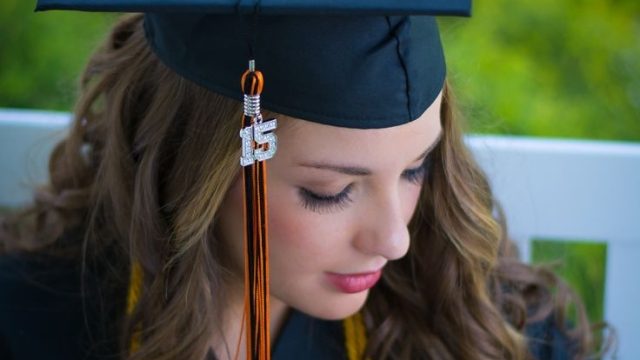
(348, 63)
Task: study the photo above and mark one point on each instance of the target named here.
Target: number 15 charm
(258, 142)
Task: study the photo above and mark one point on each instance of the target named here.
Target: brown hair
(143, 172)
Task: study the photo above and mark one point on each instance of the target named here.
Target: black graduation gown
(42, 316)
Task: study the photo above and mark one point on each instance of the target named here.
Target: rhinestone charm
(259, 143)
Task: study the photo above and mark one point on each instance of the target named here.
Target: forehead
(301, 141)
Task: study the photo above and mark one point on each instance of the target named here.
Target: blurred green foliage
(548, 68)
(545, 67)
(42, 54)
(581, 264)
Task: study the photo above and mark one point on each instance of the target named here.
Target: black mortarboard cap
(348, 63)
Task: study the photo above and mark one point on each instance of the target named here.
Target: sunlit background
(548, 68)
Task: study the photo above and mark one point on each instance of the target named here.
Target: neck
(229, 341)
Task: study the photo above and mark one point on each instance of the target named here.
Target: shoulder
(547, 341)
(43, 313)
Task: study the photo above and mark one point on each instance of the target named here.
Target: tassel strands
(258, 145)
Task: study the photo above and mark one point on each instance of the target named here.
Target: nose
(383, 230)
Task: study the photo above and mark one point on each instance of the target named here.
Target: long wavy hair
(146, 165)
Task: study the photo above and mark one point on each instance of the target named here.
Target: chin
(337, 306)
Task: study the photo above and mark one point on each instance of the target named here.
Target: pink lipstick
(354, 283)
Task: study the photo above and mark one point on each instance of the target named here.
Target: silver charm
(259, 143)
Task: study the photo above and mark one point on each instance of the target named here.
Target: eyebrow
(361, 171)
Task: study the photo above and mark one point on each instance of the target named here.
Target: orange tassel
(255, 147)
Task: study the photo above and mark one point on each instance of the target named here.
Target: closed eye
(322, 203)
(417, 175)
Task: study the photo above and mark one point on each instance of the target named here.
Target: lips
(354, 283)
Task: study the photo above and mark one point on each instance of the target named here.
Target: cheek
(298, 238)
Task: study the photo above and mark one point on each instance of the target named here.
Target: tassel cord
(256, 244)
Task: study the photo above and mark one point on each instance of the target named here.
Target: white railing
(553, 189)
(575, 190)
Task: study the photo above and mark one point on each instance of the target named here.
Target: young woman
(384, 241)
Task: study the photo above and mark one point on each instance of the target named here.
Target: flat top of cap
(309, 7)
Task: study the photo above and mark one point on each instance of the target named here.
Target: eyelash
(417, 175)
(322, 203)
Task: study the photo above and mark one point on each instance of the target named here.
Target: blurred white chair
(553, 189)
